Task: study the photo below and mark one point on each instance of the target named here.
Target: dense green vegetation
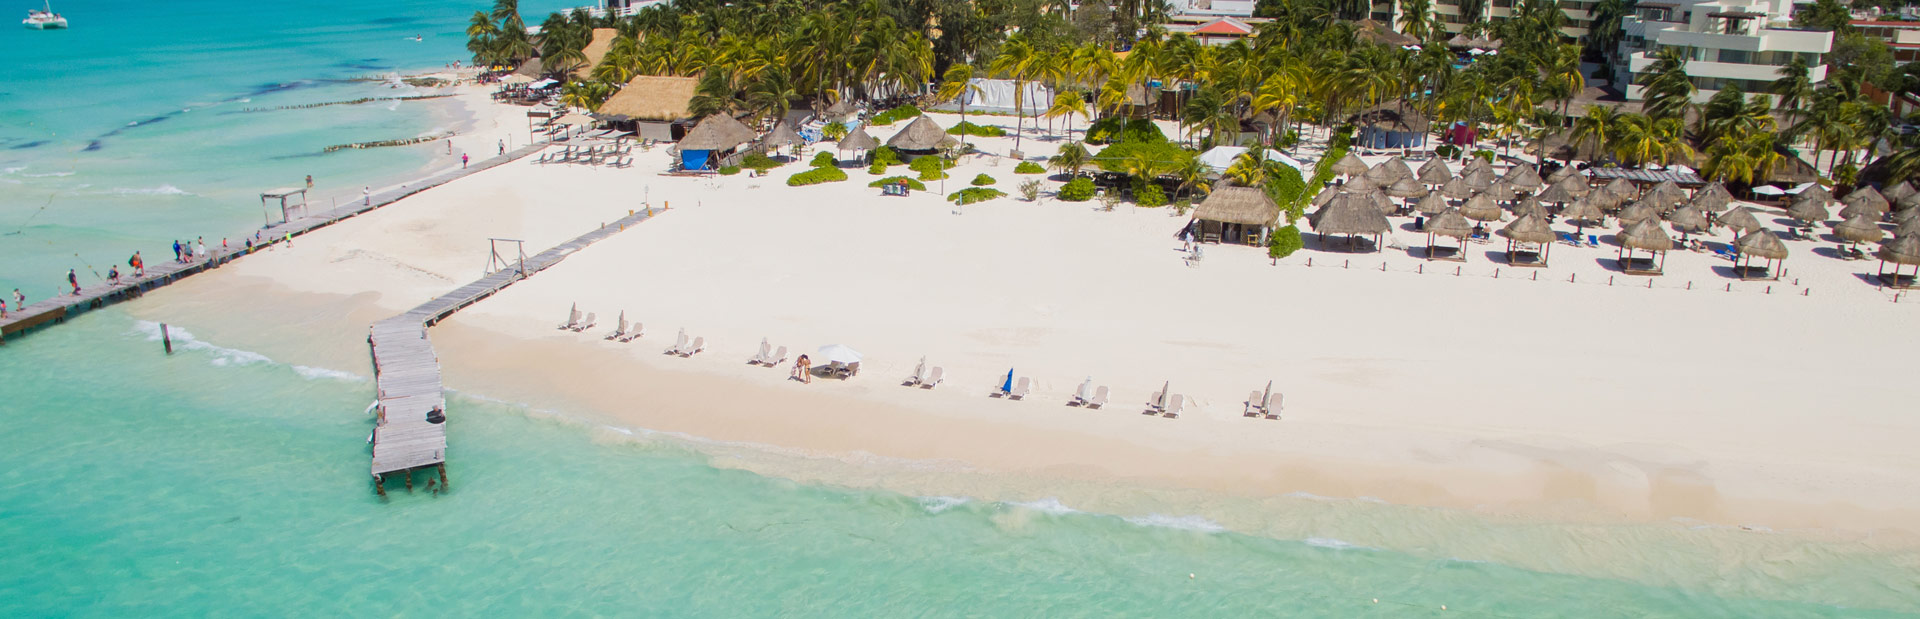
(894, 115)
(1028, 167)
(911, 183)
(1284, 241)
(759, 161)
(823, 159)
(985, 131)
(1080, 189)
(971, 195)
(816, 176)
(983, 180)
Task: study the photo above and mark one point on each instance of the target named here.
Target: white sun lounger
(919, 374)
(573, 318)
(621, 330)
(1273, 406)
(635, 333)
(779, 355)
(1176, 404)
(699, 344)
(1099, 397)
(584, 324)
(762, 357)
(1153, 402)
(1255, 407)
(934, 376)
(679, 345)
(1020, 388)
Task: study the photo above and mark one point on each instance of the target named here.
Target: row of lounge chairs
(610, 156)
(1574, 239)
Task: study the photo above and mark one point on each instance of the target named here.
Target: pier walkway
(161, 270)
(411, 432)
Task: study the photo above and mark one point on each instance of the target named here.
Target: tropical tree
(1747, 157)
(957, 85)
(586, 95)
(1067, 103)
(1794, 88)
(1072, 157)
(1667, 88)
(1017, 61)
(1641, 139)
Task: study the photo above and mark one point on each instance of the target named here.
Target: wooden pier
(411, 429)
(161, 270)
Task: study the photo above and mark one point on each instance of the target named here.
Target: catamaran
(44, 19)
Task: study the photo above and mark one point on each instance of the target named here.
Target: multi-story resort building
(1738, 42)
(1454, 15)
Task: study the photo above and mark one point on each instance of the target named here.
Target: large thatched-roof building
(652, 104)
(595, 51)
(1351, 215)
(922, 137)
(1236, 214)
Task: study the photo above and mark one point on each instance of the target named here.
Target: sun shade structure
(1523, 177)
(1327, 195)
(859, 140)
(1867, 201)
(1808, 211)
(781, 135)
(1435, 173)
(1500, 191)
(1688, 221)
(1636, 213)
(1432, 204)
(1740, 219)
(1664, 196)
(1902, 251)
(922, 136)
(1528, 206)
(1712, 198)
(651, 98)
(1899, 191)
(1481, 208)
(1556, 194)
(1815, 192)
(1583, 212)
(1352, 216)
(1858, 229)
(1448, 223)
(1457, 189)
(1648, 236)
(1389, 172)
(715, 137)
(1759, 244)
(1350, 166)
(1479, 178)
(1529, 240)
(1236, 214)
(1406, 188)
(1561, 173)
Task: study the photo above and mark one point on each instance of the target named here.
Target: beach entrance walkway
(411, 432)
(162, 271)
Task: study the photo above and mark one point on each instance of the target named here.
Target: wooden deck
(162, 270)
(407, 371)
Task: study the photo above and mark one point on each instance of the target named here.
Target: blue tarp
(694, 159)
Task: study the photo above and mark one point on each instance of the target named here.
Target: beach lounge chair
(1273, 406)
(1593, 241)
(779, 355)
(852, 370)
(1020, 389)
(619, 331)
(584, 324)
(699, 344)
(1099, 398)
(1153, 403)
(633, 333)
(1254, 406)
(934, 376)
(573, 318)
(919, 374)
(1176, 404)
(679, 344)
(764, 356)
(1082, 395)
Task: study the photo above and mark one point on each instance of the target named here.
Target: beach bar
(1235, 214)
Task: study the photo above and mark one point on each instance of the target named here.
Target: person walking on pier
(309, 181)
(463, 161)
(3, 308)
(113, 274)
(19, 300)
(74, 279)
(139, 265)
(366, 193)
(200, 248)
(176, 251)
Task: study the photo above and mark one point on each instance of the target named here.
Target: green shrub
(824, 160)
(877, 169)
(1030, 190)
(1080, 189)
(1150, 195)
(983, 180)
(914, 184)
(1028, 167)
(730, 170)
(930, 168)
(816, 176)
(1284, 241)
(1116, 129)
(886, 156)
(971, 195)
(1484, 154)
(1169, 156)
(759, 161)
(985, 131)
(1286, 188)
(894, 115)
(834, 131)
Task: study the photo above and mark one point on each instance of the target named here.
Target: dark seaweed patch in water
(397, 19)
(138, 123)
(94, 145)
(28, 145)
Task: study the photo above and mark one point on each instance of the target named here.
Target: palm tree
(713, 95)
(772, 95)
(1416, 17)
(957, 85)
(1067, 104)
(1565, 75)
(1794, 87)
(586, 95)
(1194, 176)
(1017, 61)
(1668, 90)
(1746, 158)
(1641, 139)
(1072, 157)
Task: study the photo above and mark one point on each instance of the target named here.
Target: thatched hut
(781, 135)
(1524, 178)
(1807, 211)
(652, 103)
(712, 140)
(1456, 189)
(1688, 221)
(1432, 204)
(1379, 201)
(1390, 171)
(1902, 251)
(1435, 173)
(1739, 219)
(1529, 240)
(1909, 203)
(1236, 214)
(1712, 198)
(1481, 208)
(1858, 229)
(1391, 125)
(1352, 216)
(595, 51)
(1350, 166)
(858, 142)
(1865, 201)
(1648, 236)
(1448, 223)
(1583, 212)
(1758, 244)
(922, 137)
(1562, 172)
(532, 68)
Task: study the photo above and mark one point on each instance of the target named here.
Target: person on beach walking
(74, 279)
(503, 147)
(463, 161)
(309, 181)
(366, 193)
(803, 369)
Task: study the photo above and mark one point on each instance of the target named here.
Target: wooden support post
(166, 339)
(443, 478)
(409, 473)
(380, 486)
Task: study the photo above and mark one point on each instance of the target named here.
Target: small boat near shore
(44, 19)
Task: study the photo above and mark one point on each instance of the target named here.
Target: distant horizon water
(218, 480)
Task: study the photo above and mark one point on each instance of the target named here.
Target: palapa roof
(1326, 195)
(839, 109)
(859, 139)
(1762, 243)
(921, 134)
(1406, 188)
(1648, 235)
(1738, 218)
(1449, 223)
(1622, 188)
(1479, 178)
(1380, 201)
(1435, 172)
(1562, 172)
(1557, 147)
(1899, 191)
(1688, 219)
(1864, 209)
(1908, 203)
(1867, 199)
(1815, 193)
(781, 135)
(1900, 250)
(1636, 213)
(1372, 31)
(1389, 171)
(1457, 189)
(1809, 211)
(1793, 170)
(1501, 191)
(1665, 195)
(1556, 192)
(1350, 165)
(1583, 209)
(1432, 204)
(1523, 176)
(1909, 227)
(1394, 116)
(1575, 185)
(1859, 229)
(717, 132)
(1481, 208)
(1350, 214)
(1712, 198)
(595, 51)
(651, 97)
(1527, 206)
(1238, 205)
(1528, 228)
(531, 68)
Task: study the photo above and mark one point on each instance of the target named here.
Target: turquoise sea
(220, 482)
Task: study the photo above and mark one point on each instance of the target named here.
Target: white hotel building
(1742, 42)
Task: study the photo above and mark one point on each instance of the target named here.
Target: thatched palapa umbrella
(1760, 244)
(1434, 172)
(1621, 189)
(1901, 251)
(1527, 206)
(1647, 235)
(1740, 219)
(1528, 229)
(1908, 227)
(1712, 198)
(859, 140)
(1379, 201)
(1350, 166)
(1389, 171)
(1481, 208)
(1326, 195)
(1858, 229)
(1807, 211)
(1636, 213)
(1582, 212)
(1479, 178)
(1448, 223)
(1899, 191)
(716, 135)
(1352, 216)
(1688, 220)
(1456, 189)
(1909, 203)
(781, 135)
(1432, 204)
(1557, 194)
(1562, 173)
(921, 137)
(1815, 193)
(1523, 177)
(1866, 200)
(1664, 196)
(1406, 188)
(1500, 191)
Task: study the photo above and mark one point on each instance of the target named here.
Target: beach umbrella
(1582, 212)
(1909, 203)
(1085, 392)
(1380, 201)
(1762, 243)
(1688, 220)
(1809, 211)
(1866, 200)
(1636, 213)
(1563, 173)
(1456, 189)
(1351, 215)
(1904, 216)
(1432, 204)
(575, 119)
(1524, 177)
(1858, 229)
(1621, 189)
(517, 79)
(1646, 234)
(1900, 250)
(1350, 166)
(1326, 195)
(1406, 188)
(1528, 228)
(1479, 178)
(1909, 227)
(1007, 386)
(1481, 208)
(1528, 206)
(1575, 186)
(1816, 193)
(1712, 198)
(1449, 223)
(1740, 219)
(1899, 191)
(1500, 191)
(1435, 172)
(1555, 194)
(1664, 196)
(837, 353)
(1393, 169)
(1474, 164)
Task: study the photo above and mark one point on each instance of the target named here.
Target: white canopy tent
(1222, 157)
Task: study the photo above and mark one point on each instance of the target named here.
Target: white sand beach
(1759, 404)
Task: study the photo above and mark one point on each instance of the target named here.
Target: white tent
(1222, 157)
(997, 96)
